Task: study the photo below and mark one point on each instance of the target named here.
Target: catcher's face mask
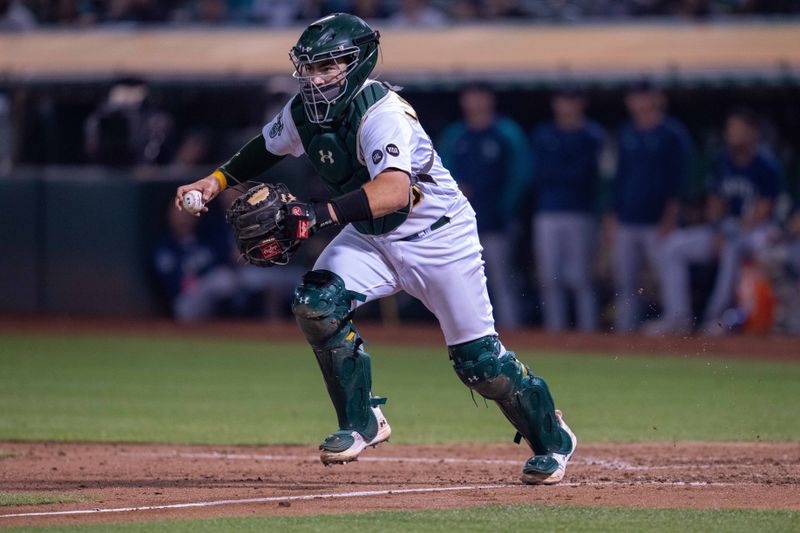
(332, 59)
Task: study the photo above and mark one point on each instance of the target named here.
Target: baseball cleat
(345, 445)
(550, 469)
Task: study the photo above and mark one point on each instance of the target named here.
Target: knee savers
(321, 305)
(523, 398)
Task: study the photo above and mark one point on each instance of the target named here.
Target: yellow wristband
(221, 179)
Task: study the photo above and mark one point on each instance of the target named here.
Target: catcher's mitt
(263, 232)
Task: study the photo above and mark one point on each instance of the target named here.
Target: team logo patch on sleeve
(392, 150)
(276, 128)
(377, 156)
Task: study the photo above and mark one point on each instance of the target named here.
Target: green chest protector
(333, 154)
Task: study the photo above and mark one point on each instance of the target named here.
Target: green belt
(436, 225)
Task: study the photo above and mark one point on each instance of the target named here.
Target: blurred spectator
(745, 184)
(210, 11)
(370, 9)
(693, 8)
(488, 156)
(503, 9)
(281, 13)
(418, 14)
(655, 154)
(192, 269)
(15, 16)
(566, 155)
(461, 11)
(126, 129)
(142, 11)
(71, 12)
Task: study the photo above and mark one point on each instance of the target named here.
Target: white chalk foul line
(261, 500)
(364, 493)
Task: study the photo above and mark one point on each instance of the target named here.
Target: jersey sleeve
(385, 141)
(280, 134)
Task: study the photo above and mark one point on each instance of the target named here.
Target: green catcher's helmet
(341, 50)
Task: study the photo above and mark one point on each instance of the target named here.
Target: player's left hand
(269, 224)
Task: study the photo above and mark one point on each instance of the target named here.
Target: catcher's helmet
(339, 40)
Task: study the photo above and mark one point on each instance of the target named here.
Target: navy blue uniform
(491, 164)
(565, 167)
(653, 169)
(565, 181)
(740, 186)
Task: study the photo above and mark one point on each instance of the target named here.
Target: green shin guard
(523, 398)
(322, 307)
(347, 370)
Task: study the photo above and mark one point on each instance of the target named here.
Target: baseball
(193, 202)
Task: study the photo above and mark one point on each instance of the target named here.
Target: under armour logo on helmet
(323, 157)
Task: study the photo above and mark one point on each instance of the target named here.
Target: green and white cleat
(346, 445)
(550, 469)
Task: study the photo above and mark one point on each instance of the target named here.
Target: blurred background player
(744, 186)
(566, 155)
(488, 156)
(193, 268)
(655, 153)
(127, 128)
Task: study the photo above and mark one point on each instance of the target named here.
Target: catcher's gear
(269, 224)
(322, 305)
(524, 398)
(338, 39)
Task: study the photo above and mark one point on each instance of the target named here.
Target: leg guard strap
(322, 307)
(524, 399)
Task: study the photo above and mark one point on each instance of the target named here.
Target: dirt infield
(290, 480)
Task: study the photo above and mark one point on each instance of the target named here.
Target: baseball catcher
(407, 227)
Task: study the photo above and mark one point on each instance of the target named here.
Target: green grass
(32, 498)
(492, 518)
(95, 388)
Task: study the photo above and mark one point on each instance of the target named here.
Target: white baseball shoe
(344, 446)
(550, 469)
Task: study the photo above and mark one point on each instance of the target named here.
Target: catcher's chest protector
(333, 154)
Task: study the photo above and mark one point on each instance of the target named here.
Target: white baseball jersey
(443, 268)
(390, 136)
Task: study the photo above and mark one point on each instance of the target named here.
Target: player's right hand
(209, 187)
